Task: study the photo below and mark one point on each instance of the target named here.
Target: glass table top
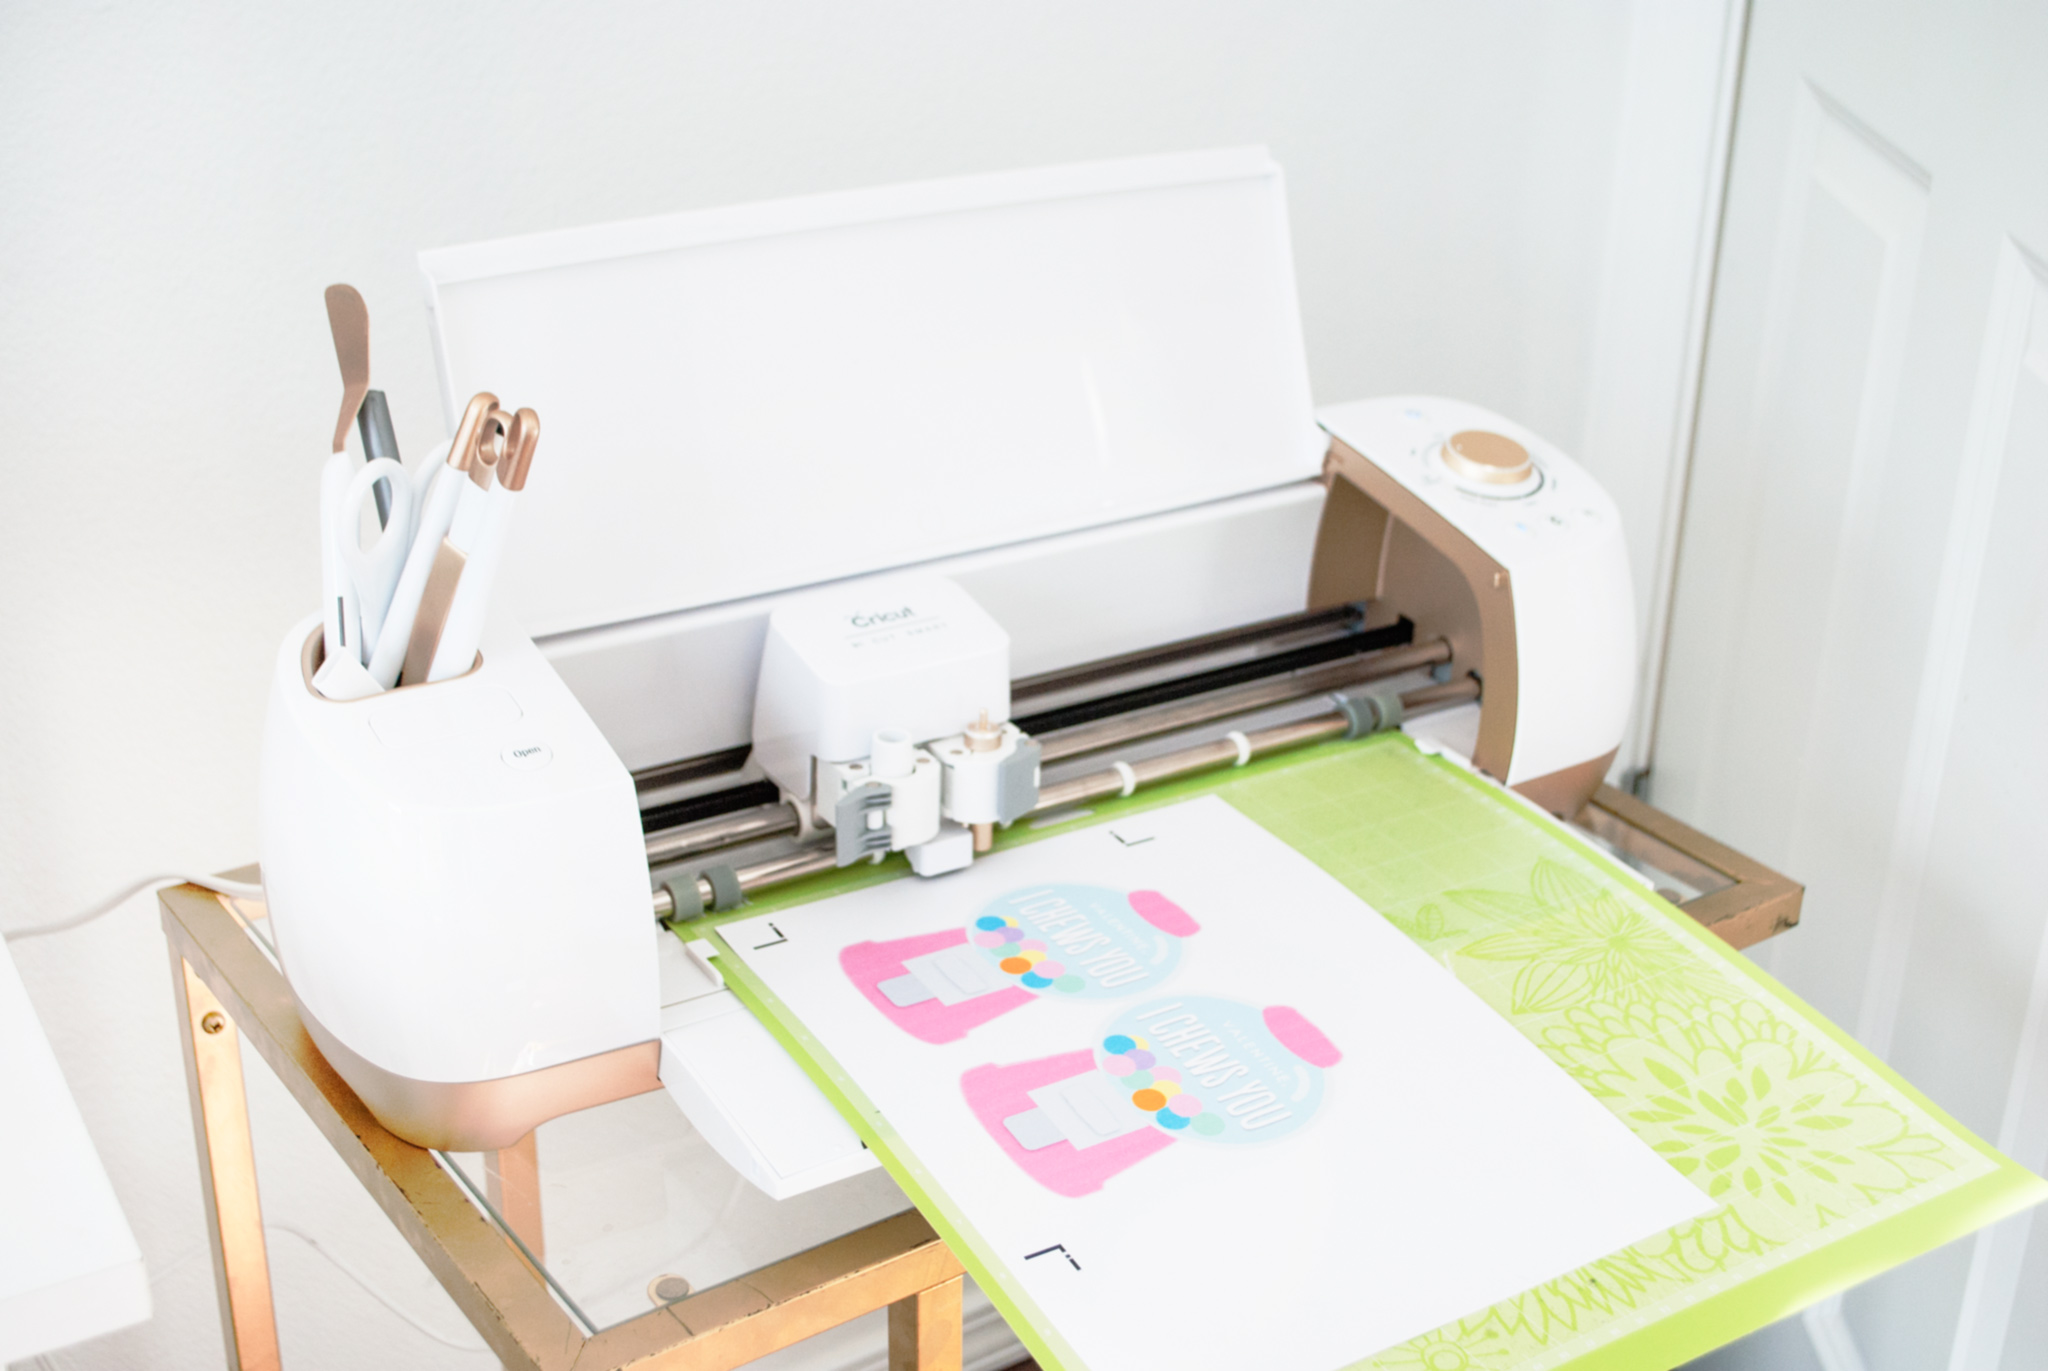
(637, 1209)
(631, 1196)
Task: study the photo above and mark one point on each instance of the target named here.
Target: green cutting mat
(1829, 1168)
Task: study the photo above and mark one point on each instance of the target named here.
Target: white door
(1856, 686)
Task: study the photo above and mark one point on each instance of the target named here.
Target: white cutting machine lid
(744, 400)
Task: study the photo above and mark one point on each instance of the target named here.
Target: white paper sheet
(1385, 1153)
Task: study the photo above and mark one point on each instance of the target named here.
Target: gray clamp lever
(853, 837)
(1369, 711)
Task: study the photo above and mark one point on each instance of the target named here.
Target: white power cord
(235, 890)
(238, 890)
(47, 1361)
(476, 1345)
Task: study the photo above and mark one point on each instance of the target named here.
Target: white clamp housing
(909, 653)
(902, 809)
(981, 776)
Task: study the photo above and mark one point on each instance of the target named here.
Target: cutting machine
(873, 525)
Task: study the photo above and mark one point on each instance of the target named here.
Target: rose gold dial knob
(1492, 458)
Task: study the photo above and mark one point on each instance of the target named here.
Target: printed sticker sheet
(1187, 1100)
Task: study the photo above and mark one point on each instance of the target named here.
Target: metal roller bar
(1264, 742)
(810, 861)
(727, 830)
(1106, 676)
(1270, 634)
(1187, 685)
(1114, 780)
(774, 820)
(1300, 685)
(691, 769)
(1098, 784)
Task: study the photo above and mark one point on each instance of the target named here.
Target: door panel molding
(1834, 154)
(1859, 629)
(2016, 341)
(2015, 352)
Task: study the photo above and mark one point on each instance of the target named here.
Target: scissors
(362, 579)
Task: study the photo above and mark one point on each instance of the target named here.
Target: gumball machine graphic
(1044, 942)
(1197, 1069)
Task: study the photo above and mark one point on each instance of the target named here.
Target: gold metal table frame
(227, 988)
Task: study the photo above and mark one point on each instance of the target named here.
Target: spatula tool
(349, 318)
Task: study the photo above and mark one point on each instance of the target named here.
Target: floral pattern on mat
(1761, 1110)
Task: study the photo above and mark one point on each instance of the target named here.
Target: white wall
(178, 183)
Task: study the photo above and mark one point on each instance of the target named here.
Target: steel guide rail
(776, 819)
(1118, 778)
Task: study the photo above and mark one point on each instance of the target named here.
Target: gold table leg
(924, 1330)
(227, 1173)
(512, 1185)
(217, 967)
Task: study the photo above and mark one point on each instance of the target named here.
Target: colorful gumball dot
(1141, 1056)
(1007, 950)
(988, 938)
(1166, 1118)
(1185, 1105)
(1016, 966)
(1052, 971)
(1033, 980)
(1149, 1100)
(1117, 1043)
(1118, 1065)
(1034, 955)
(1165, 1073)
(1138, 1078)
(990, 922)
(1033, 945)
(1208, 1125)
(1166, 1088)
(1069, 983)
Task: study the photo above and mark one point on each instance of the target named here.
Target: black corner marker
(1060, 1248)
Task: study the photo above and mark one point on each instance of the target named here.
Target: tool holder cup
(458, 889)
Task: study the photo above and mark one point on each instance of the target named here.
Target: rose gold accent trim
(483, 1273)
(348, 319)
(435, 602)
(490, 446)
(520, 442)
(488, 1116)
(1564, 793)
(227, 1172)
(462, 448)
(512, 1185)
(1493, 458)
(1350, 560)
(1379, 542)
(924, 1330)
(1759, 904)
